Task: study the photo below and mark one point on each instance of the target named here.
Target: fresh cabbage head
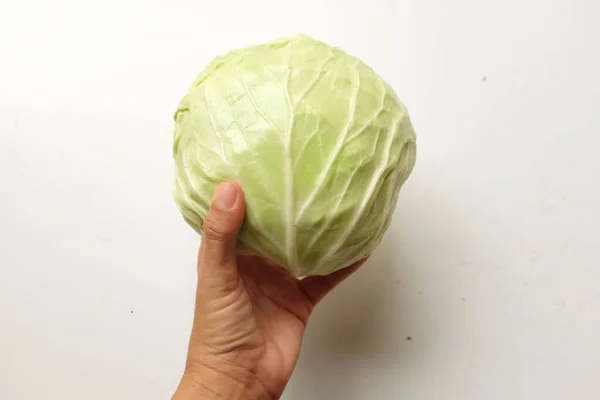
(319, 143)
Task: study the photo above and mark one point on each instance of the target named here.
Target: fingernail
(225, 196)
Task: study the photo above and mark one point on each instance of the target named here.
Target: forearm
(204, 382)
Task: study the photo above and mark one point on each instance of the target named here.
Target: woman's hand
(250, 315)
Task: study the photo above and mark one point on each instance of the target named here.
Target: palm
(280, 312)
(258, 323)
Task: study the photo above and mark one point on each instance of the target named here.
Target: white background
(491, 267)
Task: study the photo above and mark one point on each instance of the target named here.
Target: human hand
(250, 315)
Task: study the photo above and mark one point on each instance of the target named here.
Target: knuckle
(216, 229)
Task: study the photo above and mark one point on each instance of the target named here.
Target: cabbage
(318, 141)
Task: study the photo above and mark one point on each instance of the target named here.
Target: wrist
(206, 381)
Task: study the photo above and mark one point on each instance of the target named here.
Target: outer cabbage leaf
(320, 144)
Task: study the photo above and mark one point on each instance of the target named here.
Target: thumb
(216, 261)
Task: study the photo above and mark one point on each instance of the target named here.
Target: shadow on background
(351, 319)
(360, 328)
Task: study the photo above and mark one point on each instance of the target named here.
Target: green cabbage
(318, 141)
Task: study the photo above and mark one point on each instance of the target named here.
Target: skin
(250, 315)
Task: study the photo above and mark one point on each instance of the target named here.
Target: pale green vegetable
(318, 141)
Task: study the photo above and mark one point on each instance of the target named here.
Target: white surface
(491, 266)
